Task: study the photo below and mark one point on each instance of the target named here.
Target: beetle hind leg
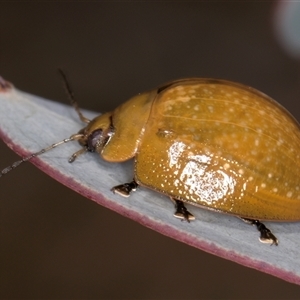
(125, 189)
(266, 236)
(181, 211)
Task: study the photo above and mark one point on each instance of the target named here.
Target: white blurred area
(287, 26)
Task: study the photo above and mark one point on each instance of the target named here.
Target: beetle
(210, 143)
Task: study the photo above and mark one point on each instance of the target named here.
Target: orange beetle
(210, 143)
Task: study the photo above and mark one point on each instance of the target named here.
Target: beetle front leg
(125, 189)
(181, 211)
(266, 236)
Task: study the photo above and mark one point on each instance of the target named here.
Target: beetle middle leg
(125, 189)
(266, 236)
(181, 211)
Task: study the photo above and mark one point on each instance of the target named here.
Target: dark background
(57, 244)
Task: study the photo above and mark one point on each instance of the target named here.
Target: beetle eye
(94, 139)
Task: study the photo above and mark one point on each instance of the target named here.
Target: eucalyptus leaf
(29, 123)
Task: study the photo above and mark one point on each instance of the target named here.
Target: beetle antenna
(29, 157)
(71, 97)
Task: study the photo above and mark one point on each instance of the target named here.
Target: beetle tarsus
(181, 212)
(125, 189)
(266, 236)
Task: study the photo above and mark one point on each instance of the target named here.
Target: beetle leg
(125, 189)
(181, 211)
(266, 236)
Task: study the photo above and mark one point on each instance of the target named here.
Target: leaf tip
(5, 86)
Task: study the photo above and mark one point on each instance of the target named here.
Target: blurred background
(56, 244)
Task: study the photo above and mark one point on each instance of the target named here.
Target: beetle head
(95, 135)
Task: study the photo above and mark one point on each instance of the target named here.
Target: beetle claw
(182, 212)
(266, 236)
(125, 189)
